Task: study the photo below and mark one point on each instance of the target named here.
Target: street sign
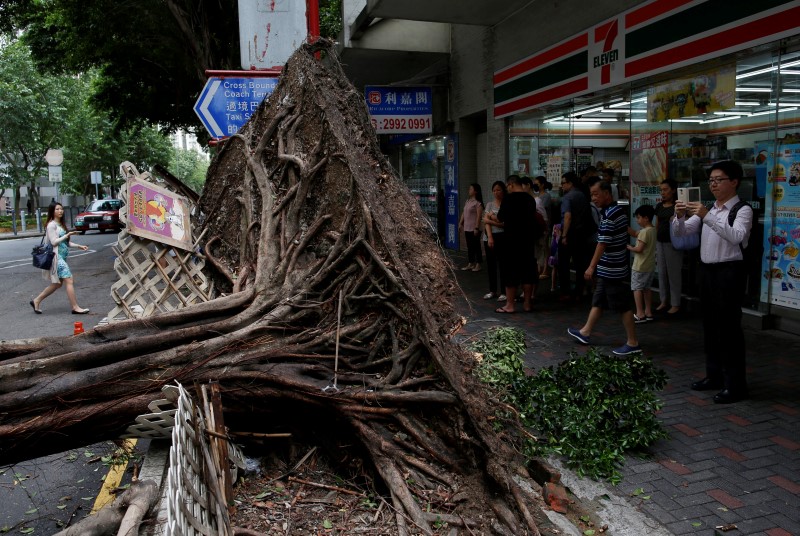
(54, 157)
(96, 177)
(400, 110)
(54, 173)
(226, 104)
(271, 30)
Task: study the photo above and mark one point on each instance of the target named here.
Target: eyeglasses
(717, 180)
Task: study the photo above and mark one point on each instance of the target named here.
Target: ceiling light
(789, 71)
(731, 113)
(619, 104)
(552, 119)
(642, 99)
(718, 119)
(685, 120)
(773, 111)
(755, 89)
(610, 111)
(587, 111)
(747, 103)
(791, 91)
(635, 120)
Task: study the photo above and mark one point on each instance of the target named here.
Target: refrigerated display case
(423, 173)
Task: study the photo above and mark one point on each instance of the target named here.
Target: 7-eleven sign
(607, 54)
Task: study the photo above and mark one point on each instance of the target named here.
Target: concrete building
(653, 89)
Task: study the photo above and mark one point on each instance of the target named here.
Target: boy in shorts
(611, 261)
(644, 264)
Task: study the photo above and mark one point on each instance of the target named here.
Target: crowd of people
(526, 238)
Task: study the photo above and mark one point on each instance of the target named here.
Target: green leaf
(32, 511)
(61, 506)
(589, 532)
(262, 495)
(27, 531)
(697, 524)
(327, 524)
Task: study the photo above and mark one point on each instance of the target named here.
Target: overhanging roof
(479, 12)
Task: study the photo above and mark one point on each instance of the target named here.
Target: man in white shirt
(722, 275)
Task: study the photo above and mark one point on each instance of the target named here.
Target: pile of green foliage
(591, 409)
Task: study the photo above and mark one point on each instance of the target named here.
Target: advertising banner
(400, 110)
(157, 214)
(712, 92)
(649, 157)
(781, 266)
(451, 192)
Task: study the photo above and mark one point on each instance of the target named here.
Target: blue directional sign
(227, 103)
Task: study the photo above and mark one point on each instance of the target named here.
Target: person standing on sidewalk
(668, 259)
(493, 236)
(576, 230)
(470, 224)
(518, 265)
(722, 279)
(610, 261)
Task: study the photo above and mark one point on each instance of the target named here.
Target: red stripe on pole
(564, 90)
(530, 64)
(312, 14)
(651, 11)
(774, 24)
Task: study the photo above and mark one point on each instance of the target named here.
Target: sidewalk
(722, 464)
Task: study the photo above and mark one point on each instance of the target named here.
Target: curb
(155, 466)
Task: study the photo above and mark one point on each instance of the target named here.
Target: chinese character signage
(158, 214)
(649, 157)
(781, 266)
(400, 110)
(451, 192)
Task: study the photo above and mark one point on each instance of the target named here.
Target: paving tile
(724, 498)
(788, 485)
(707, 442)
(738, 420)
(785, 442)
(730, 454)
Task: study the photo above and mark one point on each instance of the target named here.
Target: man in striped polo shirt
(611, 264)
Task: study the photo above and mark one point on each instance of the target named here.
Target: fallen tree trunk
(338, 308)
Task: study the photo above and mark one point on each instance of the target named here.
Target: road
(93, 272)
(39, 496)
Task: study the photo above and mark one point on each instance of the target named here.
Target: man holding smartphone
(722, 275)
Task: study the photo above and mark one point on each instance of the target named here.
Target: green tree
(151, 56)
(32, 112)
(190, 167)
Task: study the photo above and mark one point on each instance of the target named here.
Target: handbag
(43, 255)
(684, 242)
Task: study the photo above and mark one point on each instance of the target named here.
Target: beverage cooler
(423, 170)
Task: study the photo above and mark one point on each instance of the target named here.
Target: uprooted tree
(331, 277)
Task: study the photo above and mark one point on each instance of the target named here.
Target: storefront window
(747, 110)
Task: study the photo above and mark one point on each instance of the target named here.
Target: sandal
(503, 311)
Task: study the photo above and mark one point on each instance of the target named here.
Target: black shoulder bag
(43, 255)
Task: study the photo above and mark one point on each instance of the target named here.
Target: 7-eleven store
(662, 91)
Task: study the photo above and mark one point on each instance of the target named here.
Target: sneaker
(649, 318)
(488, 296)
(625, 349)
(583, 339)
(467, 267)
(476, 268)
(639, 319)
(501, 297)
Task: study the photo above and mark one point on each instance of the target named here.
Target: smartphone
(689, 195)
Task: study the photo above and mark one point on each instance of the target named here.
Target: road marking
(27, 262)
(112, 480)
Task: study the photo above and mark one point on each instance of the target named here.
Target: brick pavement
(722, 464)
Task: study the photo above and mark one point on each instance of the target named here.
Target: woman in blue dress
(59, 274)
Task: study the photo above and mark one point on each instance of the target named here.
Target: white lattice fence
(154, 277)
(194, 502)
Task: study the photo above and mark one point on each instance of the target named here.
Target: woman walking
(470, 223)
(59, 274)
(493, 243)
(668, 259)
